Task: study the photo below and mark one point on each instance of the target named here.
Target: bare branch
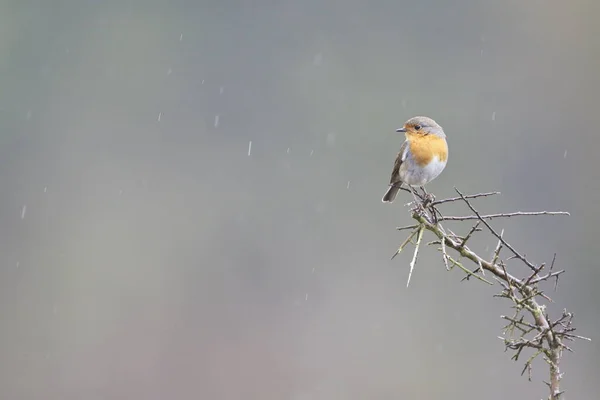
(416, 253)
(444, 255)
(403, 228)
(468, 272)
(403, 245)
(471, 196)
(547, 276)
(530, 327)
(474, 229)
(534, 273)
(503, 215)
(508, 246)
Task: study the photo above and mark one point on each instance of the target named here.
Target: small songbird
(422, 156)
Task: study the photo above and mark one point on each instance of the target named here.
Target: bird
(422, 157)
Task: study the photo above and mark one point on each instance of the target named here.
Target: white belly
(414, 175)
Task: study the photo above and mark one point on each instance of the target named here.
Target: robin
(422, 156)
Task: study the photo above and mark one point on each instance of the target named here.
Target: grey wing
(395, 178)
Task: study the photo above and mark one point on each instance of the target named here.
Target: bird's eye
(417, 127)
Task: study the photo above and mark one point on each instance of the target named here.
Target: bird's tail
(391, 193)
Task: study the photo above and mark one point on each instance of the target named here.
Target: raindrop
(159, 116)
(494, 116)
(249, 148)
(181, 37)
(216, 120)
(23, 211)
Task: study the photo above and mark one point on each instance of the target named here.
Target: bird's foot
(416, 207)
(428, 199)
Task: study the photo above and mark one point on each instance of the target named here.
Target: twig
(416, 253)
(408, 239)
(403, 228)
(471, 196)
(548, 276)
(534, 273)
(519, 322)
(528, 364)
(474, 229)
(498, 249)
(503, 215)
(444, 255)
(508, 246)
(508, 281)
(537, 332)
(469, 272)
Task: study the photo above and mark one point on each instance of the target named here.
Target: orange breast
(424, 147)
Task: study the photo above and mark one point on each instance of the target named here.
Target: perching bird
(422, 156)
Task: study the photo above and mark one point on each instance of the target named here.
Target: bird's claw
(429, 198)
(417, 208)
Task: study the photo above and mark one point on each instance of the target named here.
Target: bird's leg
(415, 194)
(428, 197)
(418, 204)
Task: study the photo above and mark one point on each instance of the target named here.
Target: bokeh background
(147, 252)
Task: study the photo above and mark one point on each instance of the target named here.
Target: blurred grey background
(147, 254)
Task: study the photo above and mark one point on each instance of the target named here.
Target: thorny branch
(530, 327)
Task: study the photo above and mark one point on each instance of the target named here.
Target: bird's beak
(401, 130)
